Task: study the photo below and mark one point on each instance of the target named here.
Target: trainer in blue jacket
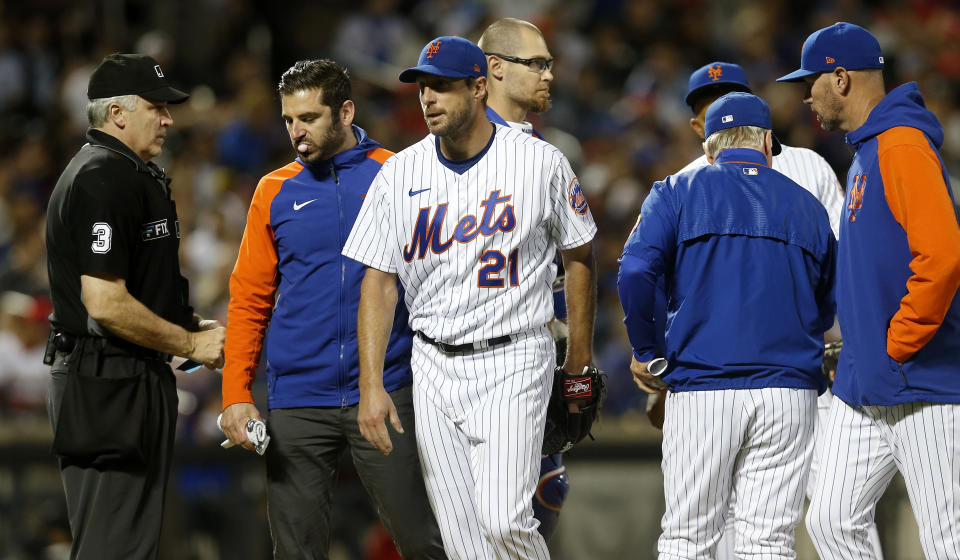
(898, 274)
(293, 293)
(748, 259)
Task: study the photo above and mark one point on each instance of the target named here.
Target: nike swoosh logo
(413, 192)
(299, 206)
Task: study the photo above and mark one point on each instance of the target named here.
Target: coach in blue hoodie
(898, 272)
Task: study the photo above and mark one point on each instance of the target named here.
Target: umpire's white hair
(735, 137)
(97, 109)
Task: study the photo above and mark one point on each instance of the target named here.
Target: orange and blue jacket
(898, 264)
(292, 292)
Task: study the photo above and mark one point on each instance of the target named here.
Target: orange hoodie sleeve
(917, 196)
(253, 285)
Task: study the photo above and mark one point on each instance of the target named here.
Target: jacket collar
(345, 158)
(742, 155)
(103, 139)
(902, 106)
(110, 142)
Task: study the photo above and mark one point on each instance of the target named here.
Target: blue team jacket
(298, 221)
(899, 261)
(748, 260)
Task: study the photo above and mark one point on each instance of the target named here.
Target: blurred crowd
(618, 114)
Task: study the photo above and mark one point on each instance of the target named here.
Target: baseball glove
(831, 355)
(564, 429)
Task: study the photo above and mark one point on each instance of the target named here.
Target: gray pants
(302, 459)
(116, 511)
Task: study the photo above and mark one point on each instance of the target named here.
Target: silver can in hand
(656, 367)
(256, 434)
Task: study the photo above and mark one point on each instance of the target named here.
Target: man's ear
(494, 67)
(697, 127)
(480, 87)
(840, 80)
(347, 112)
(117, 114)
(710, 157)
(768, 146)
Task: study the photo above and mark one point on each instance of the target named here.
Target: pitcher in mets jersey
(469, 218)
(897, 386)
(519, 73)
(748, 261)
(293, 294)
(809, 170)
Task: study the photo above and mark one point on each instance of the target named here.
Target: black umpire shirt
(111, 214)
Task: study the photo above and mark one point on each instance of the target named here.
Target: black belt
(64, 342)
(147, 354)
(468, 347)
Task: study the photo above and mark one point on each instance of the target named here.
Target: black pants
(115, 509)
(302, 460)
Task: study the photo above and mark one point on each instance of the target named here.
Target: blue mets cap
(450, 57)
(713, 74)
(842, 44)
(739, 109)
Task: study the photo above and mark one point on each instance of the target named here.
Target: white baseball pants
(865, 446)
(480, 419)
(752, 443)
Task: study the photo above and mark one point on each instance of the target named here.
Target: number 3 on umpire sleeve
(103, 235)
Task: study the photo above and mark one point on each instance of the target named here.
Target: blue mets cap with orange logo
(842, 44)
(450, 57)
(739, 109)
(726, 74)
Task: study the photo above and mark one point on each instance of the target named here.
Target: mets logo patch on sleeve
(576, 197)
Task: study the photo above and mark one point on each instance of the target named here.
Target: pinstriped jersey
(809, 170)
(473, 241)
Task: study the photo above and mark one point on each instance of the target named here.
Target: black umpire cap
(132, 74)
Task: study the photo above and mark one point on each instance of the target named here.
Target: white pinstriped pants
(755, 443)
(725, 549)
(864, 447)
(480, 419)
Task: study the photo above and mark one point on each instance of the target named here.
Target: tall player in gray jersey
(519, 73)
(469, 219)
(809, 170)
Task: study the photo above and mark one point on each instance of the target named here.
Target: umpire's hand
(206, 345)
(234, 422)
(375, 406)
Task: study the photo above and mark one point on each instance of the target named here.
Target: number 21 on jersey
(489, 275)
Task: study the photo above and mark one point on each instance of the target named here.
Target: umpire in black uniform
(120, 311)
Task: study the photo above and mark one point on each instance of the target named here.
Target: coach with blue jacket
(294, 295)
(898, 273)
(748, 260)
